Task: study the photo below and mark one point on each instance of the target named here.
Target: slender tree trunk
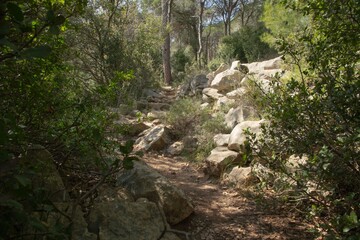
(166, 14)
(200, 31)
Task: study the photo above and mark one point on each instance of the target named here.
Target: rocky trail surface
(222, 212)
(200, 200)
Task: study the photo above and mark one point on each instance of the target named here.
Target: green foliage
(245, 45)
(179, 60)
(281, 22)
(187, 118)
(112, 41)
(317, 115)
(43, 100)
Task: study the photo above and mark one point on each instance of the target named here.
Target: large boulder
(47, 176)
(219, 159)
(144, 182)
(258, 67)
(131, 126)
(237, 135)
(155, 138)
(79, 227)
(233, 117)
(226, 80)
(221, 140)
(238, 115)
(220, 69)
(198, 83)
(123, 220)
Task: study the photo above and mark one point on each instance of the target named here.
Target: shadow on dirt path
(224, 213)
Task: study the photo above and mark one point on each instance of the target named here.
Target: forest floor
(223, 212)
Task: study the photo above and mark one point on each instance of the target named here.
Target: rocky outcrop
(144, 182)
(258, 67)
(123, 220)
(220, 158)
(226, 80)
(221, 140)
(220, 69)
(155, 138)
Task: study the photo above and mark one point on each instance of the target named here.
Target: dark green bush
(317, 115)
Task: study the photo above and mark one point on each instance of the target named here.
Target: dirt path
(221, 212)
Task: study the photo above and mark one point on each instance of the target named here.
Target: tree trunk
(166, 14)
(200, 31)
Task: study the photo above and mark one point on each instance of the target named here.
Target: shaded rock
(108, 193)
(212, 93)
(225, 81)
(240, 176)
(237, 135)
(47, 176)
(220, 158)
(176, 148)
(122, 220)
(198, 83)
(144, 182)
(155, 138)
(221, 140)
(79, 228)
(131, 126)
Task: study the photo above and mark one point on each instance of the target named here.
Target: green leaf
(128, 162)
(37, 52)
(37, 224)
(127, 148)
(15, 11)
(23, 180)
(353, 217)
(59, 20)
(12, 204)
(54, 30)
(50, 15)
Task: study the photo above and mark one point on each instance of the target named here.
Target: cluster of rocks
(142, 205)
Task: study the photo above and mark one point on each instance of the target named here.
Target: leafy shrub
(187, 118)
(245, 45)
(317, 115)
